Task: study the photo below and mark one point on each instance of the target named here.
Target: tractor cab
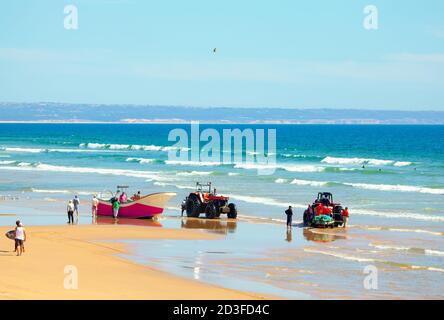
(206, 193)
(326, 198)
(203, 187)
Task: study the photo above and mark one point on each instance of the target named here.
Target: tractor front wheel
(193, 207)
(210, 211)
(233, 211)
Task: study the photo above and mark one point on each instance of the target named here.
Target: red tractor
(326, 199)
(206, 201)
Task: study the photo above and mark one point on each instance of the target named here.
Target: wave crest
(365, 161)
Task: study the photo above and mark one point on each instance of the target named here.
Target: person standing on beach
(116, 207)
(345, 216)
(76, 202)
(94, 205)
(319, 209)
(183, 206)
(289, 213)
(20, 238)
(70, 210)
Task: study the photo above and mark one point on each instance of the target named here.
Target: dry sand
(40, 272)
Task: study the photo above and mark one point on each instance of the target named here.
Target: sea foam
(364, 161)
(399, 188)
(128, 147)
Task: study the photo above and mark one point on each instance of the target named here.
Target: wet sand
(102, 272)
(151, 259)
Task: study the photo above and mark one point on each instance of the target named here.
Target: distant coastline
(167, 122)
(66, 113)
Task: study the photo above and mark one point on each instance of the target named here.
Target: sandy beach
(40, 272)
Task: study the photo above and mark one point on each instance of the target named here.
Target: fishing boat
(147, 206)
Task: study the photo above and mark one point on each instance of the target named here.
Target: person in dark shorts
(20, 238)
(289, 213)
(70, 210)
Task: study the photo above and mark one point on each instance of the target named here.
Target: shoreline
(102, 274)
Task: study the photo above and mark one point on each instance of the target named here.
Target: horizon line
(217, 107)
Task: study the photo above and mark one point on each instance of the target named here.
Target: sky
(281, 53)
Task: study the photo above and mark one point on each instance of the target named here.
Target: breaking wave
(128, 147)
(399, 188)
(367, 186)
(179, 186)
(192, 163)
(398, 215)
(428, 252)
(364, 161)
(282, 166)
(41, 150)
(339, 255)
(141, 160)
(194, 173)
(309, 183)
(118, 172)
(85, 193)
(7, 162)
(264, 200)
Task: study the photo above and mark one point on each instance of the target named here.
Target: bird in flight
(214, 50)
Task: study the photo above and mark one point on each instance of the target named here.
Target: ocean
(384, 174)
(391, 177)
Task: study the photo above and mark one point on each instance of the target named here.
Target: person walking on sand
(76, 202)
(289, 213)
(70, 209)
(345, 216)
(20, 238)
(116, 207)
(94, 205)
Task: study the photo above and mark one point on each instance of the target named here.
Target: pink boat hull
(146, 207)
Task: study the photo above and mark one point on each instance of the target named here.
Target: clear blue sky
(269, 53)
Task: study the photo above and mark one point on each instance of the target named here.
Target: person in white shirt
(70, 210)
(20, 238)
(95, 204)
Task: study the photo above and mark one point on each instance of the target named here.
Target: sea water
(390, 176)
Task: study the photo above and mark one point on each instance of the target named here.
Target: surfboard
(10, 234)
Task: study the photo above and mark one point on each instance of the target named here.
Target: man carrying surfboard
(20, 238)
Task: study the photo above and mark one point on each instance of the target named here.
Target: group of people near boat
(116, 201)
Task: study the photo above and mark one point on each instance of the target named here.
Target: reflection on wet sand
(319, 235)
(289, 235)
(214, 225)
(131, 222)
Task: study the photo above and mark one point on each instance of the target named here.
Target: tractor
(205, 200)
(326, 198)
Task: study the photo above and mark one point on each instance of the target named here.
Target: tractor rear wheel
(193, 207)
(233, 211)
(210, 211)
